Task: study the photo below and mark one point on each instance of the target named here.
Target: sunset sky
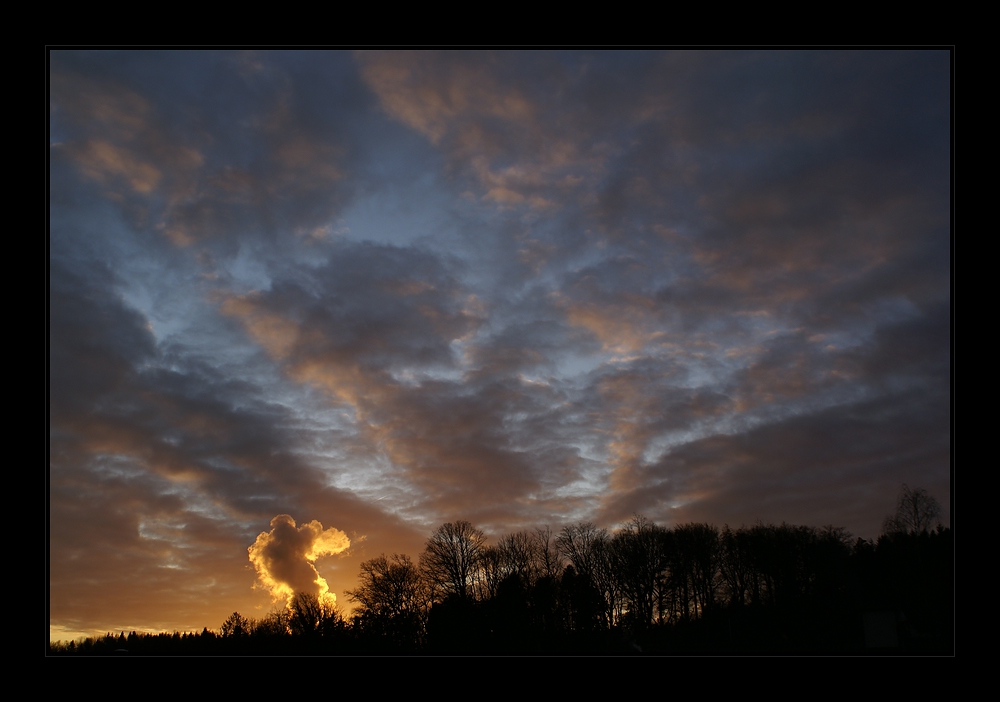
(381, 291)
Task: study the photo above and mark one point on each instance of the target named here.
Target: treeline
(646, 588)
(692, 588)
(307, 626)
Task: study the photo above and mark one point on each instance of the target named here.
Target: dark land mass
(644, 589)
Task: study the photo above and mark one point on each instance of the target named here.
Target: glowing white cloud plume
(284, 557)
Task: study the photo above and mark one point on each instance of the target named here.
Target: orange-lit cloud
(621, 329)
(480, 117)
(101, 161)
(276, 334)
(284, 557)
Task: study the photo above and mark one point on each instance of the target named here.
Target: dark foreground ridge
(643, 589)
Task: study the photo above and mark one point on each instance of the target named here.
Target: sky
(307, 306)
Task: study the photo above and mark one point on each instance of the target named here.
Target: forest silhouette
(641, 589)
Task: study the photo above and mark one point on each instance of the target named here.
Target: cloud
(176, 152)
(494, 126)
(839, 464)
(284, 557)
(382, 327)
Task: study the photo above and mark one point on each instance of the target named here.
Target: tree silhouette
(637, 558)
(311, 616)
(587, 548)
(236, 625)
(584, 604)
(916, 512)
(389, 587)
(694, 569)
(519, 556)
(738, 568)
(583, 545)
(450, 561)
(549, 561)
(392, 599)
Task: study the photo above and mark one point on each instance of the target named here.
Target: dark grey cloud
(835, 466)
(219, 148)
(381, 330)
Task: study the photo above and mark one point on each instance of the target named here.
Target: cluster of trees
(532, 590)
(694, 587)
(771, 586)
(308, 625)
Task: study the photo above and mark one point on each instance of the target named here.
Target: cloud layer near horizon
(386, 290)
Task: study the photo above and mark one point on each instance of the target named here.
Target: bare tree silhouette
(916, 512)
(450, 561)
